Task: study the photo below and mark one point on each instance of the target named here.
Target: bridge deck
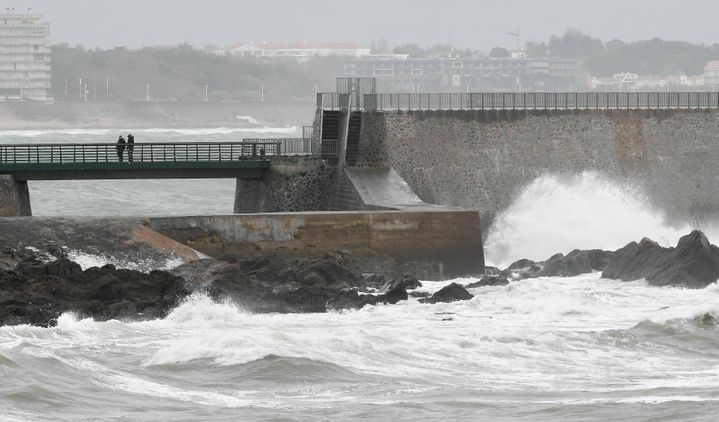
(155, 160)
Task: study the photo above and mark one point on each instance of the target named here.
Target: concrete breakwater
(430, 244)
(480, 159)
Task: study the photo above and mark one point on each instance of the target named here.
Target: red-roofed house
(298, 51)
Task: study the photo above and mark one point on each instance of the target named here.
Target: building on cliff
(24, 57)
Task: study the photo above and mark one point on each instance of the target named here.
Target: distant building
(298, 51)
(711, 73)
(24, 57)
(468, 74)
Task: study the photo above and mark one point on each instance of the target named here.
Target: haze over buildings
(479, 24)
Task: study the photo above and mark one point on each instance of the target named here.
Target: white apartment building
(24, 57)
(301, 51)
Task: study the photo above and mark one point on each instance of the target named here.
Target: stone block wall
(291, 184)
(481, 159)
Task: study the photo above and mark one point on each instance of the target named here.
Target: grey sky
(469, 23)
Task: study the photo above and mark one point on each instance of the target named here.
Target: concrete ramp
(384, 188)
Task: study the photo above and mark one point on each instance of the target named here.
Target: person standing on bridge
(130, 146)
(120, 148)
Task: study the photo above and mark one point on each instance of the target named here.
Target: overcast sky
(479, 24)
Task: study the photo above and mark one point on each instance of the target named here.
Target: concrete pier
(14, 197)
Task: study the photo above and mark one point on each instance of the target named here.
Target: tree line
(646, 57)
(182, 73)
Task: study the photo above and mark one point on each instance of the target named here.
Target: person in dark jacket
(120, 147)
(130, 146)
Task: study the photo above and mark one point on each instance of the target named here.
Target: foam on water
(534, 341)
(87, 260)
(586, 211)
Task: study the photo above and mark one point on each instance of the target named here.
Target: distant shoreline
(149, 115)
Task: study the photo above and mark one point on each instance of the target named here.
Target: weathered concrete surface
(124, 239)
(480, 159)
(428, 244)
(383, 187)
(14, 197)
(291, 184)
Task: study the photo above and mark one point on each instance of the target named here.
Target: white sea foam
(587, 211)
(87, 260)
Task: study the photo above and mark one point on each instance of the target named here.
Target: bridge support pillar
(14, 197)
(291, 184)
(248, 196)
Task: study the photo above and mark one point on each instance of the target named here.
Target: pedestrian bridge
(246, 159)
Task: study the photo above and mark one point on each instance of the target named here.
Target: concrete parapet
(430, 244)
(14, 197)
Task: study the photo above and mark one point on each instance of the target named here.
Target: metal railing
(300, 146)
(145, 152)
(526, 101)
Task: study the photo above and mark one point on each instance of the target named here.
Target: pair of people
(122, 145)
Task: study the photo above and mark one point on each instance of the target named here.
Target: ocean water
(580, 349)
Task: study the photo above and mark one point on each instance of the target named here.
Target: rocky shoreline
(37, 286)
(693, 263)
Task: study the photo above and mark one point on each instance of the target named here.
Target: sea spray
(586, 211)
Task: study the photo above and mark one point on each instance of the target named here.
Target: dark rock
(451, 293)
(395, 295)
(693, 263)
(277, 284)
(521, 264)
(489, 281)
(403, 282)
(575, 263)
(37, 293)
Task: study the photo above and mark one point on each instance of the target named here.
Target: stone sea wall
(481, 159)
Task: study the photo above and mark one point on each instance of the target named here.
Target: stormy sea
(576, 348)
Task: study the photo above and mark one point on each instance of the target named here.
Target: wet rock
(489, 281)
(521, 264)
(693, 263)
(524, 268)
(403, 282)
(280, 284)
(575, 263)
(37, 293)
(450, 293)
